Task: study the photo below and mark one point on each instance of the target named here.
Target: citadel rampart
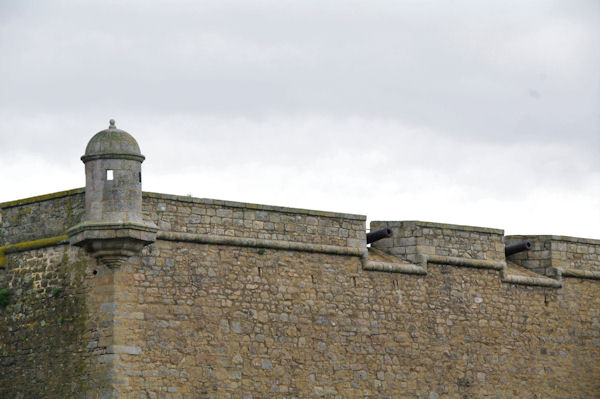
(237, 300)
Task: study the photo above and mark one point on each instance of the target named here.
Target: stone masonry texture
(557, 251)
(191, 319)
(44, 216)
(414, 237)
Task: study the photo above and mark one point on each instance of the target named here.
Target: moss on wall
(42, 338)
(40, 217)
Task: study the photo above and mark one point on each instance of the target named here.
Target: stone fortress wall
(241, 300)
(201, 298)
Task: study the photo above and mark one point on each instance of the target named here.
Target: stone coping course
(434, 225)
(382, 262)
(579, 240)
(519, 275)
(259, 243)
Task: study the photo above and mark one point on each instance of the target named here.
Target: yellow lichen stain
(65, 257)
(69, 210)
(24, 211)
(41, 198)
(27, 245)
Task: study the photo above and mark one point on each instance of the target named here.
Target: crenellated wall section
(239, 300)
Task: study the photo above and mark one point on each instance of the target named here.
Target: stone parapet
(53, 214)
(40, 217)
(243, 220)
(413, 238)
(551, 252)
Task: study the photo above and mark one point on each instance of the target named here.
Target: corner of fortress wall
(247, 300)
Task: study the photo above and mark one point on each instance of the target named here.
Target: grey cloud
(449, 67)
(456, 94)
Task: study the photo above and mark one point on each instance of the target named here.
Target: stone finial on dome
(112, 143)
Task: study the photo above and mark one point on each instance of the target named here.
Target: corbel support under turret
(112, 243)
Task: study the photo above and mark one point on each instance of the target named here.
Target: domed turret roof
(112, 143)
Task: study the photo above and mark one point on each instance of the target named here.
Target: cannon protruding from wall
(379, 234)
(517, 247)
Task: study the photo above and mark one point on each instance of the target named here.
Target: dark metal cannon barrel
(517, 247)
(378, 235)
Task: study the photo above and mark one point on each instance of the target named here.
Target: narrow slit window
(109, 174)
(140, 176)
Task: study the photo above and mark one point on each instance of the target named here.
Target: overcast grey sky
(467, 112)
